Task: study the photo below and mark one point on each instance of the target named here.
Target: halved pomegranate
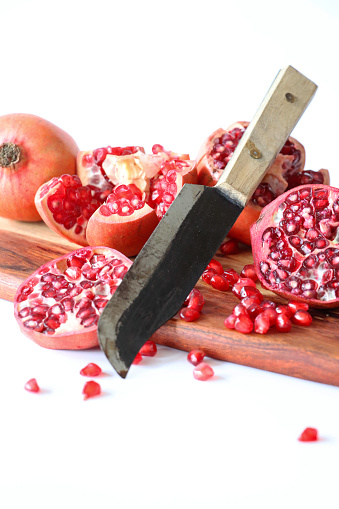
(285, 172)
(66, 205)
(145, 187)
(295, 245)
(59, 305)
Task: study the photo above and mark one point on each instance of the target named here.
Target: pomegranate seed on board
(32, 385)
(284, 310)
(216, 266)
(229, 247)
(249, 271)
(219, 282)
(91, 370)
(203, 371)
(195, 357)
(309, 435)
(283, 323)
(261, 323)
(149, 349)
(195, 300)
(232, 276)
(243, 324)
(302, 317)
(230, 321)
(91, 389)
(189, 314)
(295, 305)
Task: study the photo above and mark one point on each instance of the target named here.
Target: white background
(146, 72)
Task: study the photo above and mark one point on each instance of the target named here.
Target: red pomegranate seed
(271, 314)
(295, 305)
(243, 324)
(232, 276)
(91, 370)
(261, 323)
(32, 385)
(254, 310)
(309, 435)
(195, 300)
(91, 389)
(229, 247)
(284, 310)
(219, 283)
(207, 275)
(250, 291)
(216, 266)
(195, 357)
(137, 358)
(230, 322)
(283, 323)
(268, 304)
(189, 314)
(149, 349)
(240, 283)
(240, 310)
(203, 372)
(302, 317)
(249, 271)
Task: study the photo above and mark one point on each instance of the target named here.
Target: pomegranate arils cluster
(71, 294)
(299, 252)
(192, 307)
(124, 200)
(217, 277)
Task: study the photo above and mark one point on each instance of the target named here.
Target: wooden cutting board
(311, 353)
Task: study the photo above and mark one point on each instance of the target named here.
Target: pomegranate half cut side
(285, 172)
(295, 245)
(59, 305)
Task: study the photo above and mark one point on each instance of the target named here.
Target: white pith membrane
(300, 250)
(86, 290)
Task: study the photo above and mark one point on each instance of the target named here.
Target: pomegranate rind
(270, 217)
(75, 336)
(126, 234)
(209, 176)
(46, 151)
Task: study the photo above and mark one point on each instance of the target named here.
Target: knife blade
(187, 237)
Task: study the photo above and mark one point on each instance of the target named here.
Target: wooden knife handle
(282, 107)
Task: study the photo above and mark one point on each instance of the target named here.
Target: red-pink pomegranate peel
(59, 305)
(295, 245)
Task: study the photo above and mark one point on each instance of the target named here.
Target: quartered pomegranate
(285, 172)
(295, 245)
(122, 195)
(59, 305)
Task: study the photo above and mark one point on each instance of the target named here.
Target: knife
(186, 239)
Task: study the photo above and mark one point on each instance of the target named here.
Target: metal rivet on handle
(289, 97)
(255, 153)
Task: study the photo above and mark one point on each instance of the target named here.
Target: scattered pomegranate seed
(189, 314)
(283, 323)
(230, 321)
(229, 247)
(245, 281)
(243, 324)
(149, 349)
(216, 266)
(195, 300)
(91, 370)
(232, 276)
(295, 306)
(309, 435)
(302, 317)
(195, 357)
(240, 310)
(250, 291)
(271, 314)
(268, 304)
(32, 385)
(137, 358)
(91, 389)
(203, 371)
(248, 301)
(219, 282)
(249, 271)
(261, 323)
(285, 310)
(254, 310)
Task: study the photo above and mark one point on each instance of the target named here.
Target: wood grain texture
(311, 353)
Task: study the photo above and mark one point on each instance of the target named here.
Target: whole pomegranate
(295, 245)
(122, 195)
(59, 305)
(285, 172)
(32, 151)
